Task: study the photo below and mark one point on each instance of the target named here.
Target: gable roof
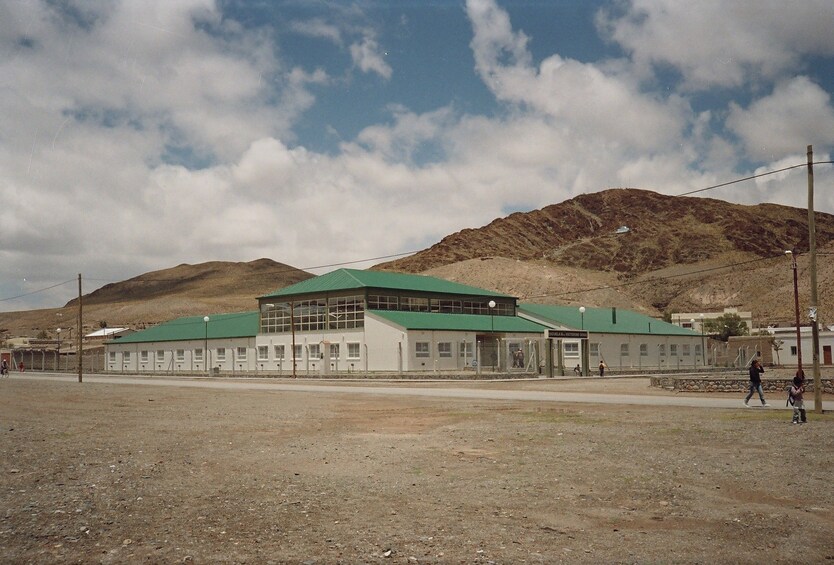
(219, 326)
(459, 322)
(348, 279)
(601, 320)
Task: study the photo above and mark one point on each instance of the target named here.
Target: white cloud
(717, 43)
(796, 114)
(367, 56)
(99, 118)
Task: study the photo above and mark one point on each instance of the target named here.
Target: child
(798, 406)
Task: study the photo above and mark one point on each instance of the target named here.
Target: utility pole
(79, 353)
(812, 312)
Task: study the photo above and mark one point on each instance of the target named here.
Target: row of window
(240, 353)
(349, 311)
(571, 349)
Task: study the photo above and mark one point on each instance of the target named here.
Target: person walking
(797, 390)
(756, 371)
(602, 368)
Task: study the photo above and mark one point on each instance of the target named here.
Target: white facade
(227, 355)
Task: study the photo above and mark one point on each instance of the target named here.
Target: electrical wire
(288, 269)
(754, 177)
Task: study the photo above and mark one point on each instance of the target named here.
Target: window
(383, 302)
(346, 312)
(644, 350)
(444, 349)
(127, 356)
(623, 350)
(685, 348)
(241, 354)
(353, 350)
(673, 350)
(467, 349)
(594, 350)
(661, 350)
(334, 350)
(415, 304)
(687, 325)
(279, 352)
(144, 357)
(160, 355)
(296, 351)
(180, 355)
(263, 353)
(198, 354)
(421, 349)
(112, 356)
(446, 306)
(221, 354)
(698, 352)
(793, 350)
(314, 351)
(571, 349)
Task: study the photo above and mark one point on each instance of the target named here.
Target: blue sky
(136, 136)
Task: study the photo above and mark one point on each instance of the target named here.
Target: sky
(139, 135)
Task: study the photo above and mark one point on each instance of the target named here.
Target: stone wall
(732, 384)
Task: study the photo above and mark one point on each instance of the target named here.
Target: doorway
(826, 355)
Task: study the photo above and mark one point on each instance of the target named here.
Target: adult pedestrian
(756, 371)
(602, 368)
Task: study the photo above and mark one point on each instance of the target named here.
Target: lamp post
(58, 361)
(799, 370)
(703, 345)
(492, 305)
(205, 345)
(583, 343)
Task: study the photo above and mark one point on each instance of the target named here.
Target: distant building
(695, 320)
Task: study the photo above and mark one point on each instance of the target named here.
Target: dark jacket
(755, 373)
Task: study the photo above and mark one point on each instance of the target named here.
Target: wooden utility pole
(80, 352)
(812, 248)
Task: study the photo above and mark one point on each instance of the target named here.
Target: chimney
(614, 315)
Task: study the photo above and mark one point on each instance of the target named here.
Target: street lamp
(205, 350)
(703, 345)
(58, 361)
(799, 370)
(583, 343)
(492, 305)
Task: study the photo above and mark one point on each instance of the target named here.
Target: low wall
(732, 384)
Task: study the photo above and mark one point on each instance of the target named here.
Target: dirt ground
(100, 473)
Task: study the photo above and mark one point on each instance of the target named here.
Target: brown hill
(184, 290)
(679, 254)
(663, 231)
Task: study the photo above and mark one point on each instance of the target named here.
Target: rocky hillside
(677, 255)
(662, 231)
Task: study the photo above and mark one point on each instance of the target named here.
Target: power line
(654, 279)
(753, 177)
(287, 269)
(36, 291)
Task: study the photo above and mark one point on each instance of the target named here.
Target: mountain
(207, 288)
(662, 231)
(678, 254)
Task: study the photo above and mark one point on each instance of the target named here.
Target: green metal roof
(459, 322)
(219, 326)
(347, 279)
(601, 320)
